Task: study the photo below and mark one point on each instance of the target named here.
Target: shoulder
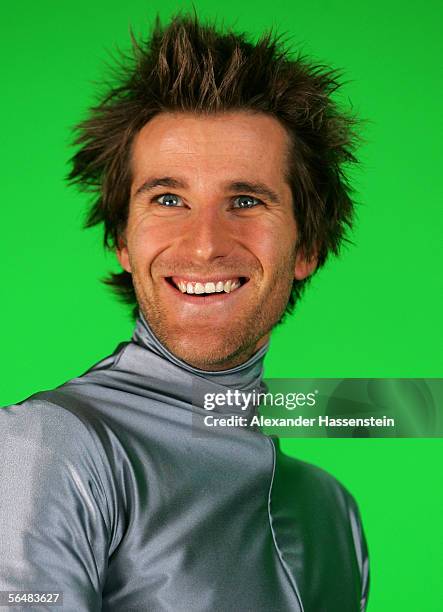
(47, 423)
(65, 417)
(318, 498)
(314, 482)
(42, 437)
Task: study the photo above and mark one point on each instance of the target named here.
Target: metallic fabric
(112, 493)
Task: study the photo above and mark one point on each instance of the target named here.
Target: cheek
(146, 239)
(272, 244)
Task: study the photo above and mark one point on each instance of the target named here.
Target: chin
(206, 353)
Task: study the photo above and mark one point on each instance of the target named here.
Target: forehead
(254, 145)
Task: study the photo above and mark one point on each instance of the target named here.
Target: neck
(231, 361)
(245, 376)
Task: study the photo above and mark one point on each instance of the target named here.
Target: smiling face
(211, 234)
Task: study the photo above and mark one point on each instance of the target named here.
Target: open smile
(206, 291)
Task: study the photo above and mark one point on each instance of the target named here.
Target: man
(217, 168)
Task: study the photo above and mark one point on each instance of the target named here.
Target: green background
(375, 312)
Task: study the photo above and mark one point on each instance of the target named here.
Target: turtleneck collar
(157, 370)
(245, 377)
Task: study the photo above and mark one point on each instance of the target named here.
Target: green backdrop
(375, 312)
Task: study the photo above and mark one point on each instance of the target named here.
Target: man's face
(211, 234)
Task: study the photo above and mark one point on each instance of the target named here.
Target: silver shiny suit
(114, 492)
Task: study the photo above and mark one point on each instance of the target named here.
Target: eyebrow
(257, 188)
(164, 181)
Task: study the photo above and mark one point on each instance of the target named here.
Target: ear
(304, 267)
(122, 254)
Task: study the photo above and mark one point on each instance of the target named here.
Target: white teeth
(210, 287)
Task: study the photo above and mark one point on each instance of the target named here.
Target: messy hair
(194, 67)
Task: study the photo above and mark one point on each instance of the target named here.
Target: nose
(208, 235)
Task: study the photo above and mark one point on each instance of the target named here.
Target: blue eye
(169, 199)
(245, 201)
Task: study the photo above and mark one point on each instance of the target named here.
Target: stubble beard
(236, 343)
